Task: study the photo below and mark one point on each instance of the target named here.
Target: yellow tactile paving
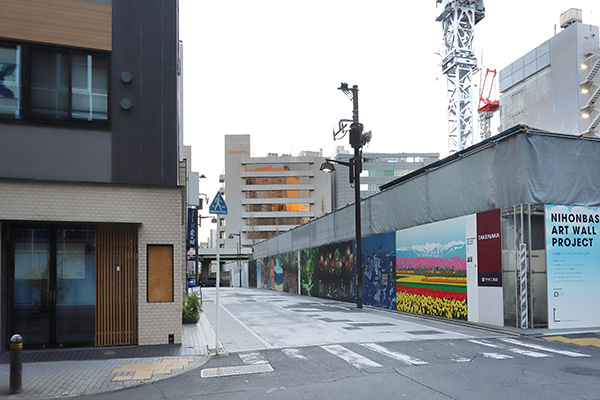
(592, 341)
(145, 371)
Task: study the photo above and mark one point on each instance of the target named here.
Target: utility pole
(356, 141)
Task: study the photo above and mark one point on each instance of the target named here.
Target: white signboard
(573, 266)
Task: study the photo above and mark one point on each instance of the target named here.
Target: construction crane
(459, 18)
(487, 107)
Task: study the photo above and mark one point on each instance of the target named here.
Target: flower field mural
(431, 269)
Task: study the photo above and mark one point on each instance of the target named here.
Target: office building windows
(63, 86)
(10, 90)
(89, 82)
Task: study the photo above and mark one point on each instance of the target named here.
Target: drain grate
(425, 332)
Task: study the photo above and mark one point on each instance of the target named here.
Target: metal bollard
(16, 363)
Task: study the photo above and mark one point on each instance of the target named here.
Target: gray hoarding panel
(517, 167)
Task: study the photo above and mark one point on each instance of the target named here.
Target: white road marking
(294, 353)
(253, 358)
(527, 353)
(240, 370)
(497, 356)
(396, 356)
(256, 335)
(354, 359)
(458, 358)
(544, 348)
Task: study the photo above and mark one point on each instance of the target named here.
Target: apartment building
(272, 194)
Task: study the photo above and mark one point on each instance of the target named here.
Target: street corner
(579, 339)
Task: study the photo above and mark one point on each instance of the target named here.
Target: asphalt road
(353, 354)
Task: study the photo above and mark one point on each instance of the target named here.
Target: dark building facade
(91, 195)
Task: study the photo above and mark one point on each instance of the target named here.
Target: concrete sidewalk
(71, 372)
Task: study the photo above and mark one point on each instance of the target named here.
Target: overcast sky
(271, 69)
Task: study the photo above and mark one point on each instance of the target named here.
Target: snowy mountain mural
(455, 248)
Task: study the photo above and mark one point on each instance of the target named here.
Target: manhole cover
(582, 371)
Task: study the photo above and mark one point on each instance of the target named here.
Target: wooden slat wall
(116, 290)
(64, 22)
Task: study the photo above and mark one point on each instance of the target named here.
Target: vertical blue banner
(192, 227)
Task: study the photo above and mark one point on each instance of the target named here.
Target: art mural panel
(279, 272)
(326, 271)
(379, 279)
(431, 269)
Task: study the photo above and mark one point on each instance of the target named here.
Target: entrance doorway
(53, 285)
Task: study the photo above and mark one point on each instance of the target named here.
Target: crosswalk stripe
(528, 353)
(354, 359)
(458, 358)
(396, 356)
(497, 356)
(253, 358)
(238, 370)
(544, 348)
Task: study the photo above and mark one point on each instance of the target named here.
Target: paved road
(279, 346)
(251, 319)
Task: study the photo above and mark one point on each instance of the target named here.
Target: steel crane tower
(458, 19)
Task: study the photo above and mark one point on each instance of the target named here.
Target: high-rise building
(92, 174)
(272, 194)
(556, 86)
(378, 168)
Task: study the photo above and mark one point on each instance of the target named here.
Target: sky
(271, 69)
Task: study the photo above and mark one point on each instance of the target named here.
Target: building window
(63, 85)
(10, 78)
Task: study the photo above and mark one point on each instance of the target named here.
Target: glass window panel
(49, 84)
(89, 82)
(10, 81)
(75, 285)
(31, 294)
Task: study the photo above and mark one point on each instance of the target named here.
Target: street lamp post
(239, 251)
(357, 140)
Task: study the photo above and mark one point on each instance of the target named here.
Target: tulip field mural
(431, 269)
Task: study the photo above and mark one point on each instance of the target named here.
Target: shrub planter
(191, 308)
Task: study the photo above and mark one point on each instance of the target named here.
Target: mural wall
(326, 271)
(420, 270)
(379, 268)
(431, 269)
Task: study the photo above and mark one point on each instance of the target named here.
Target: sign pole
(218, 207)
(218, 282)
